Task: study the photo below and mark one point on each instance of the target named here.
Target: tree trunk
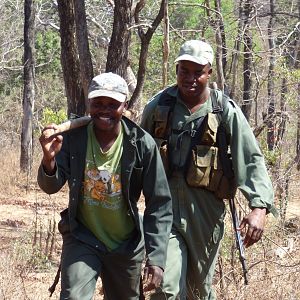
(298, 129)
(117, 56)
(145, 41)
(271, 76)
(221, 46)
(69, 59)
(166, 45)
(85, 60)
(130, 79)
(29, 90)
(236, 54)
(283, 118)
(297, 66)
(247, 104)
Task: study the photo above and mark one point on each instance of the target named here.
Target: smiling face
(106, 113)
(192, 80)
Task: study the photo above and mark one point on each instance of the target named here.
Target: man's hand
(51, 146)
(254, 224)
(152, 277)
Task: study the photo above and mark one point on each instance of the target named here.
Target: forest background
(49, 52)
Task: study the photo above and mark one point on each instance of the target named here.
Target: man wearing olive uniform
(198, 223)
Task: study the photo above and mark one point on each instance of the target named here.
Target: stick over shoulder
(68, 125)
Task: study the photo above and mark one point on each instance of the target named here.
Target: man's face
(192, 79)
(106, 113)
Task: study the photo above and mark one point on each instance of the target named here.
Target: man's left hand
(254, 224)
(152, 277)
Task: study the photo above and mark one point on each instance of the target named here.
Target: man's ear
(127, 113)
(209, 71)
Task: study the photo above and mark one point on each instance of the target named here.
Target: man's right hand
(152, 277)
(253, 224)
(51, 145)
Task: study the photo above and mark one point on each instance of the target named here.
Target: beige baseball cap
(196, 51)
(108, 85)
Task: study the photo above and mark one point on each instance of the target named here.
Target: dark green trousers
(82, 264)
(194, 242)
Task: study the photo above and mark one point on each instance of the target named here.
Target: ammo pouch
(162, 146)
(205, 171)
(205, 168)
(210, 129)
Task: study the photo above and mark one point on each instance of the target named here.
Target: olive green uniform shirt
(248, 163)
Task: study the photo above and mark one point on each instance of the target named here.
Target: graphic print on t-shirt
(102, 188)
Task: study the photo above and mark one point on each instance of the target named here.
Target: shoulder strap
(163, 114)
(219, 102)
(166, 99)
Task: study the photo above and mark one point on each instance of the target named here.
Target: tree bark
(221, 47)
(85, 60)
(29, 90)
(145, 41)
(298, 128)
(271, 75)
(236, 54)
(248, 65)
(69, 59)
(283, 118)
(297, 66)
(166, 45)
(117, 56)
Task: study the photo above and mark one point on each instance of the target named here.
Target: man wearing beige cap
(107, 164)
(186, 121)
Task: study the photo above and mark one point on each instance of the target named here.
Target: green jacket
(141, 171)
(249, 167)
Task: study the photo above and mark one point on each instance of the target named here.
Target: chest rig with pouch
(209, 163)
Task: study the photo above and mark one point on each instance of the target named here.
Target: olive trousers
(82, 264)
(198, 228)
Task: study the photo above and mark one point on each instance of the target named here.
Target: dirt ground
(18, 215)
(26, 216)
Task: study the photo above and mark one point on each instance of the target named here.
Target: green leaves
(49, 116)
(47, 46)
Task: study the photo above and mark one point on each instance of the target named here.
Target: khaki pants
(194, 243)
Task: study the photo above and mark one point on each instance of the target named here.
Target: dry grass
(273, 266)
(28, 266)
